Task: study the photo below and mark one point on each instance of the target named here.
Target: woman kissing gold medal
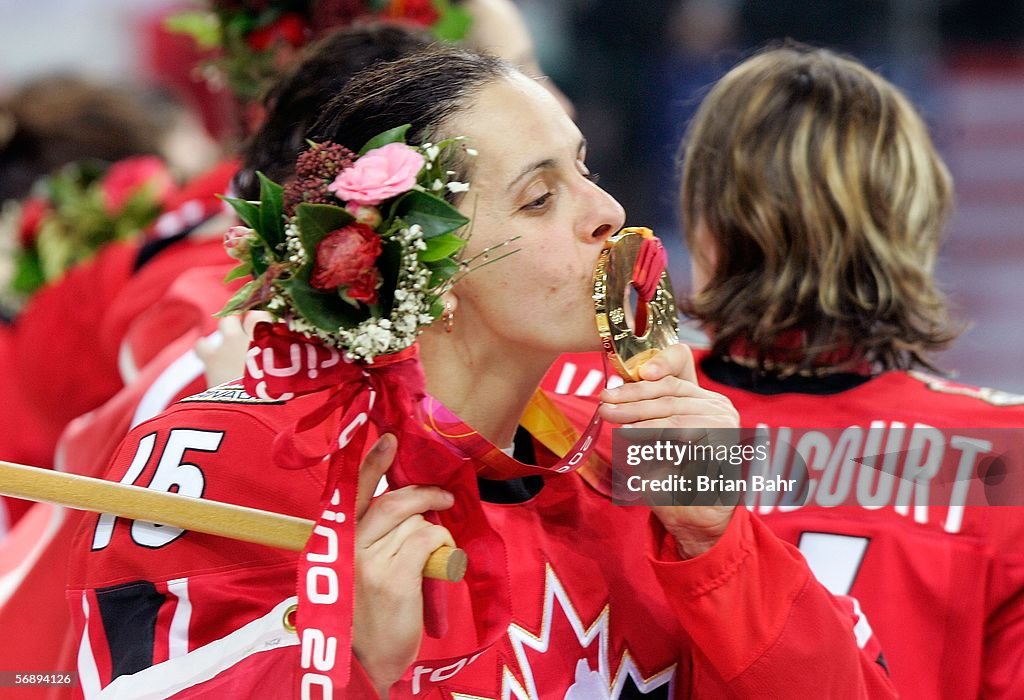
(634, 262)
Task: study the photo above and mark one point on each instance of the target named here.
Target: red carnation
(32, 214)
(130, 176)
(347, 258)
(288, 28)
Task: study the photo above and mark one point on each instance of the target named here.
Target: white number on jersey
(172, 474)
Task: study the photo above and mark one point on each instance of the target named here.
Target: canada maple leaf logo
(589, 664)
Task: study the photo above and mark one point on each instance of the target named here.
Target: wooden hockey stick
(212, 517)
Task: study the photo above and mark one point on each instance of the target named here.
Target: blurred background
(636, 71)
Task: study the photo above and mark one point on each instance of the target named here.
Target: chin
(589, 342)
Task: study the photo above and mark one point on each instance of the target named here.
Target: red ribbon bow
(282, 364)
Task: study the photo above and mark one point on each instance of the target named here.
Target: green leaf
(203, 27)
(28, 272)
(436, 216)
(316, 221)
(260, 257)
(440, 247)
(238, 299)
(437, 308)
(271, 211)
(248, 212)
(242, 270)
(326, 311)
(396, 135)
(442, 271)
(453, 25)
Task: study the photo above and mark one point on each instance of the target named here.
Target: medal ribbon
(650, 264)
(492, 462)
(282, 364)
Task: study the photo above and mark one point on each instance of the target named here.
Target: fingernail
(385, 443)
(649, 370)
(448, 498)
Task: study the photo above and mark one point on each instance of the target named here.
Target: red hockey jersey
(942, 585)
(602, 605)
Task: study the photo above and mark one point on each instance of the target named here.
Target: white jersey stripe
(177, 642)
(88, 674)
(199, 666)
(178, 375)
(862, 630)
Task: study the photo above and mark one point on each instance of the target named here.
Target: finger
(251, 318)
(375, 463)
(691, 421)
(675, 361)
(391, 542)
(230, 326)
(207, 346)
(387, 512)
(666, 386)
(417, 548)
(661, 408)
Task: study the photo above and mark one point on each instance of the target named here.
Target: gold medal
(630, 338)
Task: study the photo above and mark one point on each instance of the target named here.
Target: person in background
(55, 120)
(84, 167)
(814, 203)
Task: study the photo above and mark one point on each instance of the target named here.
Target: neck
(487, 387)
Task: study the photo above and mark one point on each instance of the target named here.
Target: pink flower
(236, 241)
(347, 258)
(364, 214)
(128, 177)
(380, 174)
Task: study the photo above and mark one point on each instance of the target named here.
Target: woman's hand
(668, 396)
(393, 542)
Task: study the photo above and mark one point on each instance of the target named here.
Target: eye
(538, 203)
(585, 171)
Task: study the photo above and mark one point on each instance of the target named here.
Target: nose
(603, 215)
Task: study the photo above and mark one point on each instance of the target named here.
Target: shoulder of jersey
(992, 397)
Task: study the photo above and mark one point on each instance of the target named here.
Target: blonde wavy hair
(823, 199)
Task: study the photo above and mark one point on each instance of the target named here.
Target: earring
(448, 317)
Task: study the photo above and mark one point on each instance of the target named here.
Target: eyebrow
(544, 164)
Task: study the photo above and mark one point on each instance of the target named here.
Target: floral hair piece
(357, 249)
(74, 212)
(254, 37)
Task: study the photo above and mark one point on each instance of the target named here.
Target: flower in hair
(380, 174)
(347, 258)
(255, 38)
(357, 250)
(73, 213)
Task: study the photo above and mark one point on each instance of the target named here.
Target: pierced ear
(450, 301)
